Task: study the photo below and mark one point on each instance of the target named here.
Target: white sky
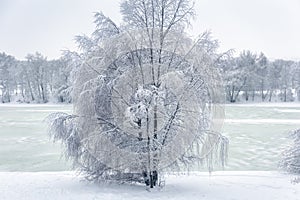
(49, 26)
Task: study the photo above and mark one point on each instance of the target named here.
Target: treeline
(35, 79)
(252, 77)
(248, 77)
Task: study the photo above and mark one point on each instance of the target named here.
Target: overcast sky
(49, 26)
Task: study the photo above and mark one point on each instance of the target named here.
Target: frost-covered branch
(290, 161)
(143, 100)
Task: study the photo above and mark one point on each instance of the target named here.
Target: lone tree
(147, 99)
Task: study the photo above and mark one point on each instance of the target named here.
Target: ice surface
(257, 132)
(24, 143)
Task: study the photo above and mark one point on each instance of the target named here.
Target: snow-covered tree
(36, 73)
(147, 99)
(262, 76)
(290, 161)
(296, 78)
(238, 73)
(7, 81)
(250, 76)
(60, 77)
(285, 79)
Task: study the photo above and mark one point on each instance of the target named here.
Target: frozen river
(24, 143)
(257, 135)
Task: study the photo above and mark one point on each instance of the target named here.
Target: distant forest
(248, 77)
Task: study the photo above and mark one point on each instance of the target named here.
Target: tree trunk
(43, 93)
(154, 174)
(2, 95)
(232, 95)
(262, 91)
(8, 94)
(246, 95)
(264, 96)
(271, 93)
(22, 91)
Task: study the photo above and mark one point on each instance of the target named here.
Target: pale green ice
(257, 134)
(24, 143)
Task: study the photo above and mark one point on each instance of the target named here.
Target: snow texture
(220, 185)
(291, 156)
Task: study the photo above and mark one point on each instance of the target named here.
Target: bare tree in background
(147, 99)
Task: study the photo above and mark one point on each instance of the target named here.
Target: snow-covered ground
(218, 186)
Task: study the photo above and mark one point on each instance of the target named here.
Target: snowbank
(218, 186)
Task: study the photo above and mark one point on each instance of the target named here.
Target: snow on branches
(146, 101)
(290, 161)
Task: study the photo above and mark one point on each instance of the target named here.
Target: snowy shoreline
(266, 104)
(226, 185)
